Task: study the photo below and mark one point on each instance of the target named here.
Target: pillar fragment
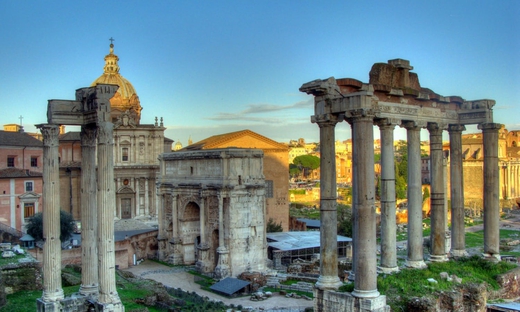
(328, 214)
(437, 217)
(458, 232)
(388, 209)
(491, 190)
(52, 289)
(415, 231)
(89, 273)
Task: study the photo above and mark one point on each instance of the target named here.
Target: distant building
(21, 179)
(136, 150)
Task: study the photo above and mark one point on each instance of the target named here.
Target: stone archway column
(222, 269)
(89, 250)
(458, 239)
(388, 209)
(52, 289)
(365, 281)
(491, 190)
(438, 216)
(415, 230)
(106, 205)
(203, 247)
(328, 279)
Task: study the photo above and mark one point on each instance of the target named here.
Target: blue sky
(211, 67)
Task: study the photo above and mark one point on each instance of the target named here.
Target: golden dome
(126, 98)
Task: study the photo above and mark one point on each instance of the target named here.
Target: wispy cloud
(252, 109)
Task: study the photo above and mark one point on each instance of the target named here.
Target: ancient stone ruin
(91, 111)
(394, 97)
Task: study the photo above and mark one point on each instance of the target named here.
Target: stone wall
(21, 277)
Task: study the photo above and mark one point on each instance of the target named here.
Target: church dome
(126, 98)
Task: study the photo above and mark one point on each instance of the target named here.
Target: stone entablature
(213, 210)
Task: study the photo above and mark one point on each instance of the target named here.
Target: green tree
(345, 220)
(306, 163)
(272, 226)
(294, 171)
(425, 194)
(34, 226)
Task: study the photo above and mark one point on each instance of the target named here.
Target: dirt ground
(179, 278)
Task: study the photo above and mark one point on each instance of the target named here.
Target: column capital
(50, 134)
(88, 135)
(489, 126)
(414, 125)
(326, 120)
(387, 123)
(435, 127)
(456, 128)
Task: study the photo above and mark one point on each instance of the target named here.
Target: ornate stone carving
(88, 135)
(50, 134)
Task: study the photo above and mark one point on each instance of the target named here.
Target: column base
(388, 270)
(492, 257)
(326, 300)
(48, 296)
(458, 253)
(328, 282)
(366, 294)
(416, 264)
(438, 258)
(89, 291)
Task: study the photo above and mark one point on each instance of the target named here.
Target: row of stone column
(364, 228)
(97, 215)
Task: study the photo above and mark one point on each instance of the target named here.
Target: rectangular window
(10, 161)
(28, 210)
(34, 161)
(29, 186)
(125, 154)
(269, 189)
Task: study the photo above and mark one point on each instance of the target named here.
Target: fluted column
(415, 231)
(52, 289)
(438, 217)
(146, 198)
(106, 206)
(365, 281)
(491, 190)
(458, 232)
(388, 211)
(328, 214)
(137, 206)
(222, 270)
(89, 251)
(203, 247)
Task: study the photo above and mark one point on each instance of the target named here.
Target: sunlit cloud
(261, 109)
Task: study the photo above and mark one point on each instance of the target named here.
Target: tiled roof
(219, 139)
(70, 136)
(18, 173)
(8, 138)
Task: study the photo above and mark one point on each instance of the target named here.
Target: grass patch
(409, 283)
(297, 292)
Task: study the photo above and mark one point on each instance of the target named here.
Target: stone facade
(275, 168)
(213, 210)
(21, 183)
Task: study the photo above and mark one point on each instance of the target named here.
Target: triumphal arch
(91, 111)
(394, 97)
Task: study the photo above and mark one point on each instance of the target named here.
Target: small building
(285, 247)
